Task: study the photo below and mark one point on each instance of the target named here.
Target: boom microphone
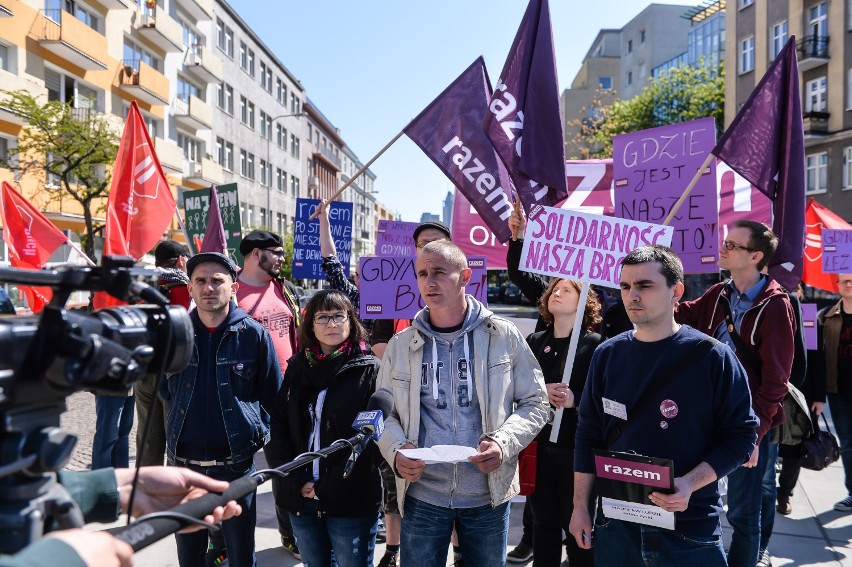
(370, 424)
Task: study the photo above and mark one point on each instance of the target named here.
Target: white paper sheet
(647, 514)
(440, 453)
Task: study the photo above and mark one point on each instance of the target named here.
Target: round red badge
(668, 408)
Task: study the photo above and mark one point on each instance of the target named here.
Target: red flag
(141, 205)
(31, 239)
(818, 217)
(214, 236)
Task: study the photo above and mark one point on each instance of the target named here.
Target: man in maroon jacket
(752, 314)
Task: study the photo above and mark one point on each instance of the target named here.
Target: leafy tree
(682, 94)
(73, 146)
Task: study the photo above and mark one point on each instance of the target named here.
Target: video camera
(45, 358)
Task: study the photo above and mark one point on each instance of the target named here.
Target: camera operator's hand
(97, 549)
(161, 488)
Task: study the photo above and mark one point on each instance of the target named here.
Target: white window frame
(816, 170)
(745, 3)
(847, 168)
(816, 95)
(780, 33)
(746, 55)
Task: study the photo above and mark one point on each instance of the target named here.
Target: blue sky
(373, 65)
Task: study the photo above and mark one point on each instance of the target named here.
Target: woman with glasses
(326, 384)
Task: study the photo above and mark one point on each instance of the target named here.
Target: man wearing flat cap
(218, 406)
(272, 301)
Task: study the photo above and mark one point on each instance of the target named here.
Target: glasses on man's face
(845, 283)
(275, 252)
(734, 246)
(324, 319)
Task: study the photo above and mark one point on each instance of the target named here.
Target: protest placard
(651, 170)
(196, 204)
(584, 247)
(836, 251)
(307, 257)
(389, 286)
(395, 238)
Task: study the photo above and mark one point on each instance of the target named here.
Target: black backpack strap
(698, 351)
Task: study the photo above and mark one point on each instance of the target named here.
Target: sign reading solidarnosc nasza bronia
(389, 286)
(836, 251)
(580, 246)
(651, 169)
(307, 257)
(395, 238)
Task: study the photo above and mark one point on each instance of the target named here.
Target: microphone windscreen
(381, 400)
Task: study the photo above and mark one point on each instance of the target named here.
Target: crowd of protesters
(700, 382)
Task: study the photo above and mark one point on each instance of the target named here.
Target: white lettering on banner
(484, 182)
(502, 108)
(682, 143)
(586, 247)
(591, 174)
(628, 471)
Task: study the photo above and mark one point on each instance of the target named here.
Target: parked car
(494, 294)
(305, 297)
(512, 294)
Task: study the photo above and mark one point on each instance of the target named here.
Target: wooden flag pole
(689, 188)
(79, 251)
(189, 244)
(569, 359)
(360, 171)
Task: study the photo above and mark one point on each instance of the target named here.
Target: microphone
(370, 425)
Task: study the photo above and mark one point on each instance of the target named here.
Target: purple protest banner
(652, 167)
(389, 286)
(395, 238)
(449, 131)
(836, 251)
(580, 246)
(809, 325)
(525, 120)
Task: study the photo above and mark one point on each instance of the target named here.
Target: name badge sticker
(615, 409)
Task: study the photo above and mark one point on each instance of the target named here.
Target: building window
(265, 77)
(246, 112)
(280, 179)
(133, 54)
(265, 125)
(281, 92)
(243, 163)
(5, 63)
(849, 89)
(605, 83)
(224, 38)
(265, 174)
(279, 222)
(225, 153)
(779, 38)
(190, 146)
(816, 173)
(746, 3)
(246, 59)
(294, 186)
(250, 166)
(747, 55)
(817, 24)
(295, 104)
(225, 95)
(294, 146)
(4, 148)
(641, 36)
(629, 77)
(629, 46)
(185, 89)
(847, 168)
(816, 95)
(281, 137)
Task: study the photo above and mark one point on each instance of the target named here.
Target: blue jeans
(769, 494)
(626, 544)
(841, 415)
(483, 533)
(353, 540)
(238, 531)
(113, 422)
(745, 495)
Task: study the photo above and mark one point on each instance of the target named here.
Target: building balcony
(198, 9)
(194, 113)
(62, 34)
(202, 64)
(813, 52)
(169, 154)
(205, 173)
(160, 29)
(327, 155)
(5, 12)
(116, 4)
(13, 82)
(815, 124)
(144, 82)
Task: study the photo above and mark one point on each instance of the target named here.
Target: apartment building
(258, 126)
(757, 30)
(361, 194)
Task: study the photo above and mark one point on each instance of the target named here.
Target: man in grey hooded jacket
(459, 376)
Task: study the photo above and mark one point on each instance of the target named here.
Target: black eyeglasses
(731, 245)
(279, 253)
(338, 318)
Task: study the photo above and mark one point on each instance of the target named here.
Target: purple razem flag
(766, 144)
(449, 131)
(524, 121)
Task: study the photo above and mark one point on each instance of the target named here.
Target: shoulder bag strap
(743, 351)
(664, 380)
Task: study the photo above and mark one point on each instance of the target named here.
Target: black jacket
(348, 392)
(585, 348)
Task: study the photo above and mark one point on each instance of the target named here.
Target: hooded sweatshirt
(450, 412)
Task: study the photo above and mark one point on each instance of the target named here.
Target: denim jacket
(248, 378)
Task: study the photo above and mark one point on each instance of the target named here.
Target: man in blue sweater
(702, 420)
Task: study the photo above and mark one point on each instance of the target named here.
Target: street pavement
(814, 534)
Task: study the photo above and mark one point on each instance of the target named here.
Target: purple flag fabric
(525, 121)
(766, 144)
(449, 131)
(214, 235)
